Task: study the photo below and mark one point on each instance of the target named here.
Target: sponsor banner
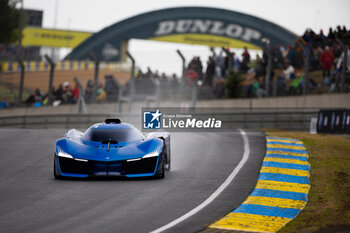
(33, 36)
(186, 120)
(209, 27)
(60, 66)
(191, 25)
(209, 40)
(333, 121)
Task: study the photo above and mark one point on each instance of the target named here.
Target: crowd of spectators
(325, 53)
(107, 91)
(64, 94)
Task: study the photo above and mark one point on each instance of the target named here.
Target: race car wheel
(160, 173)
(167, 165)
(56, 171)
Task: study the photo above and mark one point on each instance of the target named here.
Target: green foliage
(233, 84)
(9, 22)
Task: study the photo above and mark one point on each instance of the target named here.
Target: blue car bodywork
(112, 148)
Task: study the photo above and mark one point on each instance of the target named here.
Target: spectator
(332, 85)
(291, 55)
(35, 98)
(38, 95)
(101, 94)
(283, 50)
(209, 73)
(245, 60)
(149, 73)
(327, 59)
(295, 86)
(288, 72)
(59, 93)
(89, 91)
(307, 36)
(331, 34)
(299, 52)
(341, 60)
(30, 100)
(261, 91)
(199, 67)
(156, 74)
(67, 96)
(174, 86)
(281, 86)
(111, 89)
(75, 92)
(236, 62)
(323, 38)
(3, 103)
(219, 64)
(259, 67)
(340, 33)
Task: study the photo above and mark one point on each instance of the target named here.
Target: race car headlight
(64, 155)
(152, 154)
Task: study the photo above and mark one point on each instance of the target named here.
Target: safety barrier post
(132, 86)
(81, 100)
(182, 87)
(267, 48)
(183, 64)
(157, 96)
(21, 82)
(97, 64)
(52, 71)
(306, 69)
(132, 80)
(345, 59)
(194, 94)
(121, 98)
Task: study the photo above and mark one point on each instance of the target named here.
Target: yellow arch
(206, 39)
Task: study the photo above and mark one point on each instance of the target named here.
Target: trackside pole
(21, 82)
(343, 73)
(97, 64)
(52, 71)
(306, 69)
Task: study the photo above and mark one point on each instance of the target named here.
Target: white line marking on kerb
(217, 192)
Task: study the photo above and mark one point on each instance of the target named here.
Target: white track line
(217, 192)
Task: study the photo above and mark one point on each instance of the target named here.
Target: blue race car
(112, 148)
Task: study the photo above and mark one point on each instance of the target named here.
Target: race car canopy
(113, 121)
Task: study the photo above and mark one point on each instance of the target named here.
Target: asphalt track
(31, 200)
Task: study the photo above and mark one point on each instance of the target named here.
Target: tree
(9, 22)
(233, 84)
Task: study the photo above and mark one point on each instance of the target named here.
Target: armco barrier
(281, 119)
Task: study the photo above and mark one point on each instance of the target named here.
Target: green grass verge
(329, 196)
